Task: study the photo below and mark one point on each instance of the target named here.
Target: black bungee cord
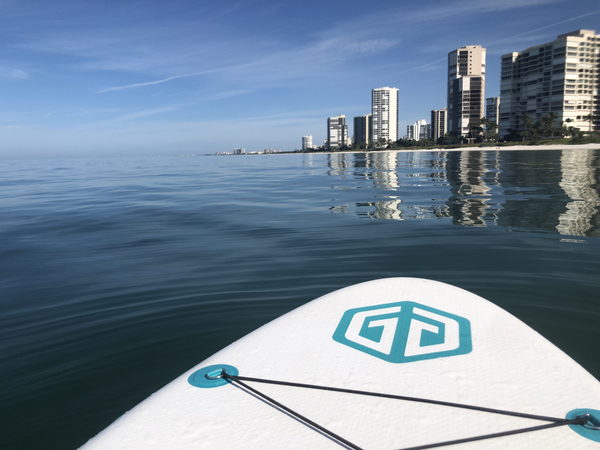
(554, 422)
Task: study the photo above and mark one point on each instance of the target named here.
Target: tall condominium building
(307, 142)
(239, 151)
(559, 76)
(466, 88)
(337, 131)
(438, 123)
(384, 108)
(362, 129)
(492, 109)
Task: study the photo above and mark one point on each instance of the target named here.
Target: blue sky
(108, 78)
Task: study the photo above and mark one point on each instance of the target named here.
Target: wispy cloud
(469, 8)
(80, 113)
(164, 80)
(145, 113)
(13, 73)
(511, 38)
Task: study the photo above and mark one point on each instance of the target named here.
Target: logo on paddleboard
(404, 332)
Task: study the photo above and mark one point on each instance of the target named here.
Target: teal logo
(404, 332)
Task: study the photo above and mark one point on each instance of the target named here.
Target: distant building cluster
(379, 126)
(418, 131)
(559, 78)
(242, 151)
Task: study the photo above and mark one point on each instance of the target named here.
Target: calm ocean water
(117, 275)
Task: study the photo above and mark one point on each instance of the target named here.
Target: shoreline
(593, 146)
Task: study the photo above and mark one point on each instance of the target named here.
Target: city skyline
(110, 79)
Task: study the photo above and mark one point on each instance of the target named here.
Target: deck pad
(402, 336)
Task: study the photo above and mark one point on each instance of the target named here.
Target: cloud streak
(176, 77)
(13, 73)
(141, 114)
(544, 28)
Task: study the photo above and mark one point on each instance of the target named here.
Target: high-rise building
(559, 76)
(492, 109)
(239, 151)
(438, 123)
(384, 108)
(337, 131)
(466, 88)
(362, 129)
(307, 142)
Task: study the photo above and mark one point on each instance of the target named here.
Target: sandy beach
(595, 146)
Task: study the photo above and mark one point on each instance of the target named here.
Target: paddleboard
(420, 347)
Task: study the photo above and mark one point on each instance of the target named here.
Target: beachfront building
(307, 142)
(362, 129)
(239, 151)
(558, 77)
(384, 110)
(466, 89)
(438, 123)
(492, 109)
(337, 131)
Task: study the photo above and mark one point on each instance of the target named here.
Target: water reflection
(555, 190)
(466, 173)
(579, 181)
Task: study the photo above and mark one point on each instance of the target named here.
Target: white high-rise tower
(384, 110)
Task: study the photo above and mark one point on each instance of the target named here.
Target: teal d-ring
(211, 376)
(589, 430)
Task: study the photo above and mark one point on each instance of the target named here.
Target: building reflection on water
(466, 172)
(556, 191)
(381, 169)
(580, 183)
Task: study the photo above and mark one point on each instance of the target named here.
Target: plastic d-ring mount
(211, 376)
(589, 430)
